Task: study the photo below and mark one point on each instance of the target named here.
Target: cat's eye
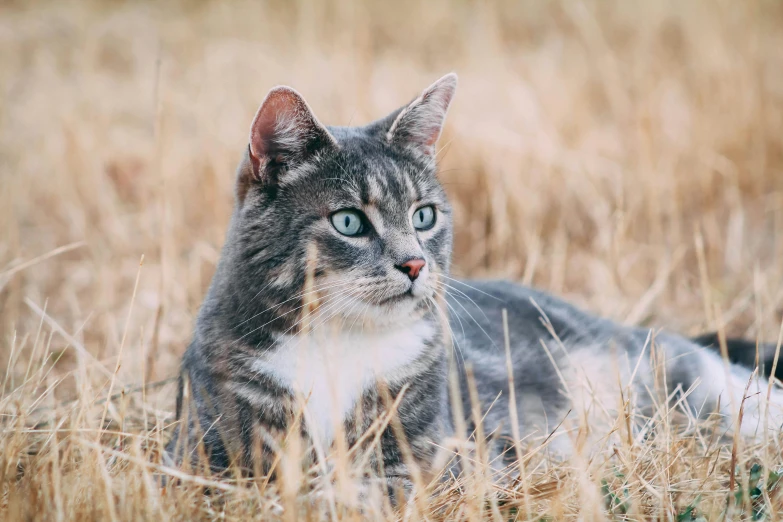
(348, 222)
(424, 218)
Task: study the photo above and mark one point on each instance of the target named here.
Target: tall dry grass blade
(122, 343)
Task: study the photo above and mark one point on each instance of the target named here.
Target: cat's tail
(745, 352)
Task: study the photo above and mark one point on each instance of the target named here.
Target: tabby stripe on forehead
(413, 192)
(375, 189)
(383, 179)
(376, 218)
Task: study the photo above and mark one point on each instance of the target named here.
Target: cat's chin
(391, 312)
(403, 308)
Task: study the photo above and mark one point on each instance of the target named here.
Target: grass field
(626, 155)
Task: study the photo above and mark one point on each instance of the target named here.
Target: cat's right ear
(284, 134)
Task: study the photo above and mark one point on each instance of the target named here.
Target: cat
(332, 304)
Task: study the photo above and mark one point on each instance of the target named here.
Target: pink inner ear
(279, 114)
(440, 100)
(284, 132)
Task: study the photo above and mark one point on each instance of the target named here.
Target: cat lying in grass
(332, 305)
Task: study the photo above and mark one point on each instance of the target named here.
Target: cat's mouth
(404, 296)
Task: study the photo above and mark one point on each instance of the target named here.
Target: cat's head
(357, 212)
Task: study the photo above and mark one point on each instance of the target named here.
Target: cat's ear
(418, 126)
(284, 134)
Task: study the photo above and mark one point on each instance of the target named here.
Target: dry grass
(627, 155)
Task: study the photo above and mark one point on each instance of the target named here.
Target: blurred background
(627, 155)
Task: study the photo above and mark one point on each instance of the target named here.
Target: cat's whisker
(337, 299)
(486, 334)
(280, 316)
(334, 312)
(450, 328)
(463, 294)
(496, 298)
(348, 314)
(362, 314)
(321, 289)
(334, 300)
(325, 286)
(252, 299)
(364, 317)
(459, 319)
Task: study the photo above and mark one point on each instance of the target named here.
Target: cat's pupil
(347, 221)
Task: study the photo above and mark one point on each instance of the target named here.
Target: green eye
(348, 222)
(424, 218)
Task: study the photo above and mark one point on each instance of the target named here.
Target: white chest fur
(331, 371)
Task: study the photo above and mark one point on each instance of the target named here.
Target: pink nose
(412, 267)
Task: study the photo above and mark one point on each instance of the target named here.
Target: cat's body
(332, 300)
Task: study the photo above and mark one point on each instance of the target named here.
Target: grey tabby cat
(329, 300)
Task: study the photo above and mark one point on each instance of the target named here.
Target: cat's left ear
(418, 126)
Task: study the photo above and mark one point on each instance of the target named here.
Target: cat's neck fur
(330, 370)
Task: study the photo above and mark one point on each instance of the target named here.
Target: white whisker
(486, 334)
(323, 287)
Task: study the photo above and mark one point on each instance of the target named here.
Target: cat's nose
(412, 267)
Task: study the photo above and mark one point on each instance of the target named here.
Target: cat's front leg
(399, 486)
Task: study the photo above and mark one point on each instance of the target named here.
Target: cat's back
(476, 307)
